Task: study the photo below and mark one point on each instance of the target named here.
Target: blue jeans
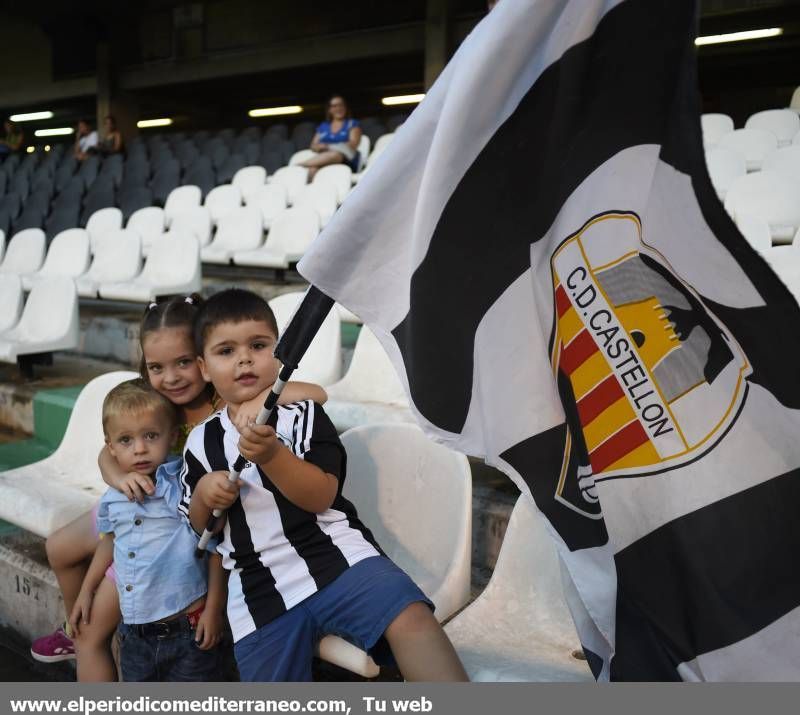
(164, 653)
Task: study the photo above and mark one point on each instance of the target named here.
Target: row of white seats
(183, 212)
(423, 524)
(115, 270)
(239, 234)
(236, 238)
(290, 234)
(782, 124)
(251, 181)
(784, 260)
(173, 262)
(725, 165)
(772, 196)
(184, 205)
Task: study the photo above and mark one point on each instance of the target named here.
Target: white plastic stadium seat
(364, 145)
(339, 175)
(753, 144)
(785, 160)
(12, 299)
(714, 127)
(221, 200)
(195, 220)
(724, 167)
(785, 261)
(380, 146)
(239, 230)
(796, 139)
(320, 197)
(25, 252)
(322, 362)
(783, 123)
(149, 224)
(249, 180)
(416, 496)
(795, 101)
(48, 494)
(300, 156)
(756, 231)
(179, 199)
(68, 256)
(370, 392)
(270, 200)
(770, 196)
(520, 629)
(293, 178)
(102, 222)
(118, 259)
(49, 321)
(173, 266)
(291, 234)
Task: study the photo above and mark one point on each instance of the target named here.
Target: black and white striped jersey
(277, 554)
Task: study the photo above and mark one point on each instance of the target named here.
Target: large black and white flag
(542, 255)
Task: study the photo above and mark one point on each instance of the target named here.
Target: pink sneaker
(53, 648)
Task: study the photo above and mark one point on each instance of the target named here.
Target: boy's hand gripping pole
(294, 342)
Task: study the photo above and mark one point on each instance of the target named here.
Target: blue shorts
(358, 606)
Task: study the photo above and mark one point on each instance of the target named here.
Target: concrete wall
(26, 62)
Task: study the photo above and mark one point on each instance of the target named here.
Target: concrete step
(46, 399)
(30, 601)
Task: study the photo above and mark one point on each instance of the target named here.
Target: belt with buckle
(162, 629)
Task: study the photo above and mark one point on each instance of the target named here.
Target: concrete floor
(16, 665)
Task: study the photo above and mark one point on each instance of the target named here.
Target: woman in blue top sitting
(336, 140)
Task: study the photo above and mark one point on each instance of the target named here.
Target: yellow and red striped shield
(654, 375)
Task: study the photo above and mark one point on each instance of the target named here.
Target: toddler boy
(171, 607)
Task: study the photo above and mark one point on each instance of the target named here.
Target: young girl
(169, 364)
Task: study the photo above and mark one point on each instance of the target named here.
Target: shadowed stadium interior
(205, 192)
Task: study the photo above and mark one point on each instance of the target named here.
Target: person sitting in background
(336, 140)
(85, 140)
(111, 143)
(13, 139)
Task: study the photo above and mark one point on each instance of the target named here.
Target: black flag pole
(291, 347)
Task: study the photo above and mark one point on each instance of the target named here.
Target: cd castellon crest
(655, 377)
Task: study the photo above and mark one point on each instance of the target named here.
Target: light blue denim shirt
(158, 574)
